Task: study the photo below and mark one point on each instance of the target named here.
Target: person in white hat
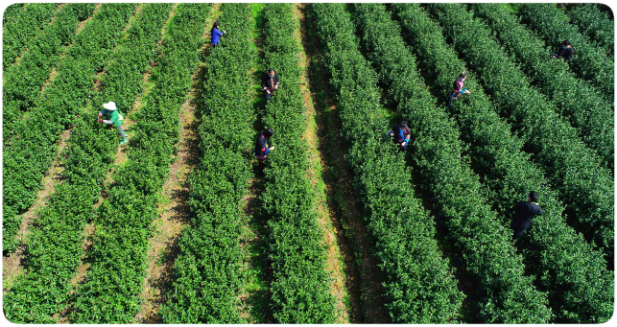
(114, 118)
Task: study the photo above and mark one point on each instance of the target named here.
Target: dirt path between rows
(255, 296)
(13, 264)
(90, 228)
(176, 213)
(363, 276)
(337, 249)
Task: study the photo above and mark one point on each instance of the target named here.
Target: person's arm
(390, 133)
(263, 84)
(276, 80)
(112, 119)
(539, 212)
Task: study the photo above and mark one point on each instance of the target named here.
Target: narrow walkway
(13, 264)
(361, 271)
(334, 262)
(120, 158)
(255, 297)
(175, 211)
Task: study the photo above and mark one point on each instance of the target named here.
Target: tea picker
(216, 34)
(524, 212)
(566, 51)
(458, 88)
(261, 147)
(269, 83)
(400, 134)
(114, 118)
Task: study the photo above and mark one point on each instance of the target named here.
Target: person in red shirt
(458, 88)
(261, 147)
(524, 213)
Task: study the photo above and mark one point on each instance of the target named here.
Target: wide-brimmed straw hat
(110, 105)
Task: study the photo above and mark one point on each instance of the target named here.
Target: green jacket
(112, 117)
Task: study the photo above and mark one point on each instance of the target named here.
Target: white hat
(110, 105)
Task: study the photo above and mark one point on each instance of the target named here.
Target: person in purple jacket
(458, 88)
(524, 212)
(400, 134)
(216, 34)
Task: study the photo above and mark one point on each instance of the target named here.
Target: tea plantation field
(181, 224)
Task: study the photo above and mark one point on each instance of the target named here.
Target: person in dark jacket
(458, 88)
(566, 51)
(269, 83)
(524, 212)
(261, 147)
(400, 134)
(216, 34)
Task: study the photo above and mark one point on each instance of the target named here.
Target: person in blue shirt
(400, 134)
(216, 34)
(524, 212)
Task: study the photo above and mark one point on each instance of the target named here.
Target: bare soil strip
(175, 211)
(363, 275)
(90, 228)
(13, 264)
(335, 257)
(256, 294)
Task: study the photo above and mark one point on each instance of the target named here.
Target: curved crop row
(506, 295)
(419, 286)
(300, 283)
(586, 109)
(12, 12)
(574, 169)
(55, 244)
(17, 35)
(589, 61)
(111, 292)
(23, 82)
(209, 270)
(594, 23)
(550, 245)
(29, 155)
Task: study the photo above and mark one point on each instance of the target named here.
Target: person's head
(533, 196)
(268, 132)
(403, 124)
(111, 106)
(271, 72)
(565, 44)
(463, 76)
(216, 24)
